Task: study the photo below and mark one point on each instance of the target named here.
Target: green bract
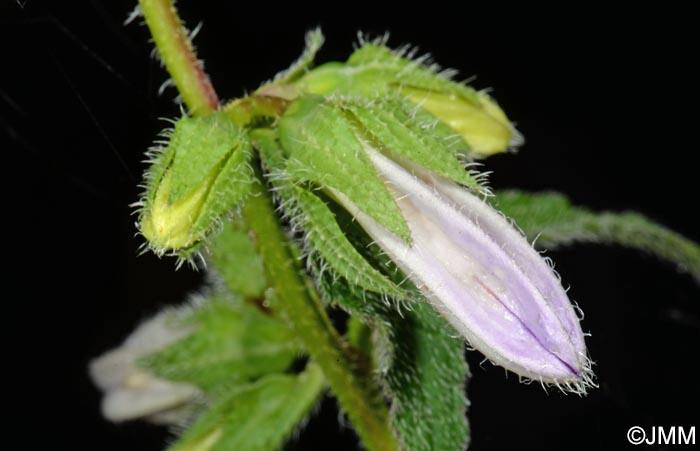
(201, 175)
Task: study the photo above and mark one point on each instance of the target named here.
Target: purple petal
(482, 275)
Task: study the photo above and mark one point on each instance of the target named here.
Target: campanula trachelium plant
(352, 185)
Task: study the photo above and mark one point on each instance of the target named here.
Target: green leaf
(426, 381)
(255, 417)
(326, 238)
(323, 148)
(233, 342)
(553, 221)
(235, 259)
(402, 130)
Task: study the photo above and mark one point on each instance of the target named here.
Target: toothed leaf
(323, 148)
(397, 129)
(553, 221)
(233, 342)
(259, 416)
(330, 242)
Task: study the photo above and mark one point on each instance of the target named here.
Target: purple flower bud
(480, 273)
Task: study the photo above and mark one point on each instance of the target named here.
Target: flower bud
(470, 263)
(479, 120)
(193, 183)
(482, 275)
(374, 70)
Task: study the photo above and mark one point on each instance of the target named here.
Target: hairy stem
(293, 297)
(176, 51)
(301, 308)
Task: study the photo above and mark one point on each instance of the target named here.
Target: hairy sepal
(199, 178)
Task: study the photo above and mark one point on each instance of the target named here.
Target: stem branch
(360, 399)
(176, 52)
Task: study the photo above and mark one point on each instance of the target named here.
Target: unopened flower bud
(478, 120)
(482, 275)
(374, 70)
(472, 265)
(200, 176)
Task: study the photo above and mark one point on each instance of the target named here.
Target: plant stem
(306, 315)
(293, 297)
(176, 51)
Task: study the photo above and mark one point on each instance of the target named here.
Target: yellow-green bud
(375, 71)
(170, 225)
(480, 121)
(202, 175)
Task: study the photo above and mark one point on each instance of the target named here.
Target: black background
(607, 101)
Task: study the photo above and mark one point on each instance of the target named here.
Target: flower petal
(488, 282)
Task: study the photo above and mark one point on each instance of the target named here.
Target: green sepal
(258, 416)
(232, 342)
(199, 145)
(266, 141)
(323, 148)
(322, 233)
(326, 237)
(551, 220)
(234, 258)
(201, 176)
(314, 40)
(231, 187)
(380, 63)
(401, 130)
(374, 71)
